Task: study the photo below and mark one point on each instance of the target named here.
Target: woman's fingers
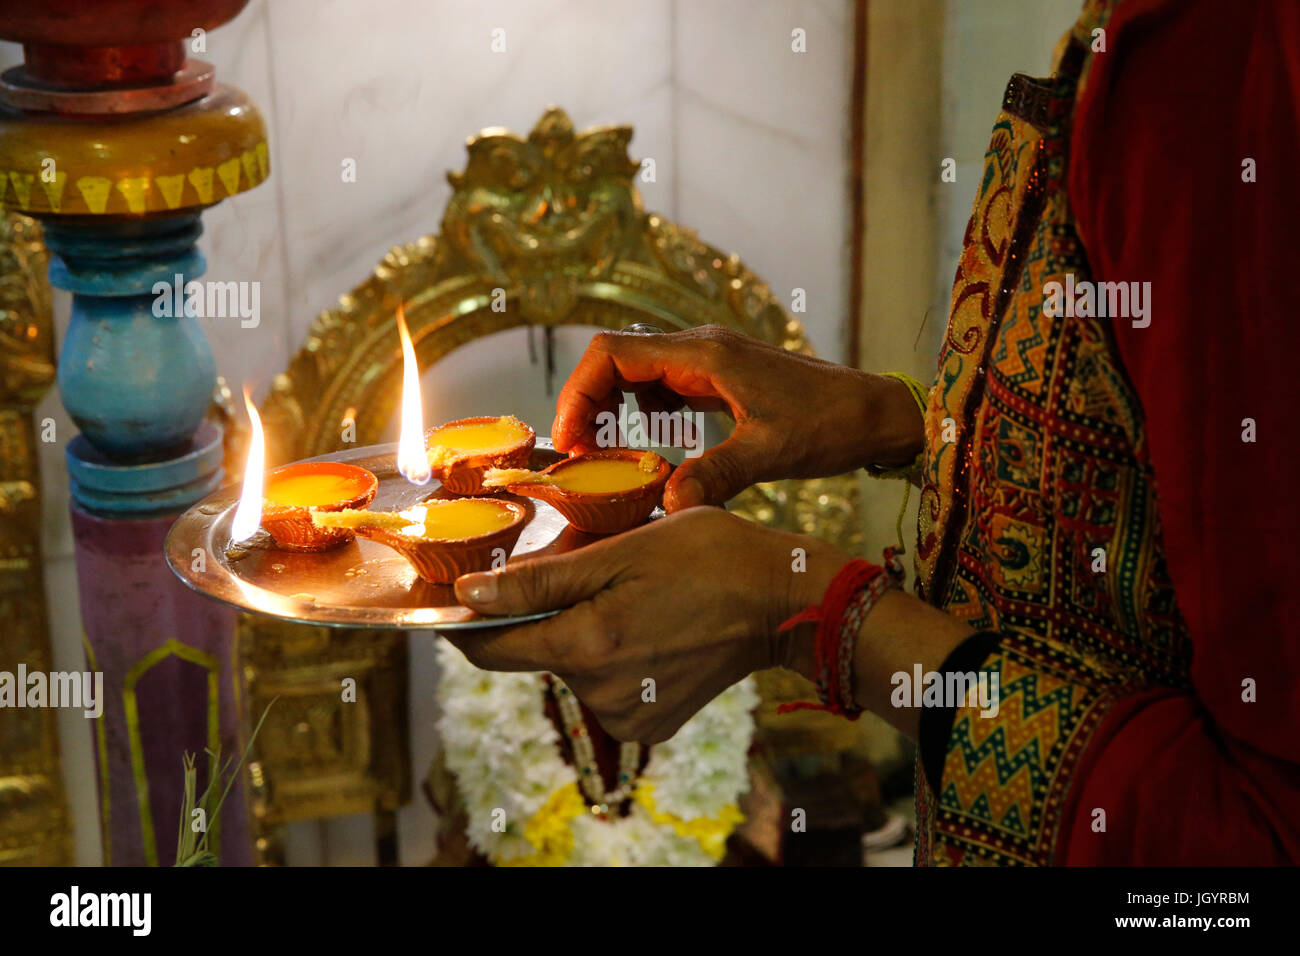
(542, 584)
(616, 361)
(719, 474)
(601, 436)
(610, 360)
(656, 398)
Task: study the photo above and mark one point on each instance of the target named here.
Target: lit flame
(412, 459)
(248, 516)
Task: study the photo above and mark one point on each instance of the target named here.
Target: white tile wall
(763, 145)
(399, 94)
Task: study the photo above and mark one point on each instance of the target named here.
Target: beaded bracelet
(849, 597)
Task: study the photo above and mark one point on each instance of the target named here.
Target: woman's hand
(691, 602)
(796, 416)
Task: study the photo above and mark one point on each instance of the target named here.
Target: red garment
(1185, 92)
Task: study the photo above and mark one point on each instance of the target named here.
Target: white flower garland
(505, 754)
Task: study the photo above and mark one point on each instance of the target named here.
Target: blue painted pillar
(117, 140)
(137, 375)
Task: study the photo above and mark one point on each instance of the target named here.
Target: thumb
(718, 475)
(538, 584)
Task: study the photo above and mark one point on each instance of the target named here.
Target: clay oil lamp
(461, 452)
(296, 492)
(284, 501)
(601, 492)
(442, 539)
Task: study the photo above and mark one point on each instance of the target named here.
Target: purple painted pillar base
(170, 686)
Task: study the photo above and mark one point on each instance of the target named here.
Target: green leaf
(192, 848)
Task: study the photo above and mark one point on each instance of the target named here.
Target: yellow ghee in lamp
(449, 520)
(479, 436)
(312, 490)
(455, 519)
(603, 476)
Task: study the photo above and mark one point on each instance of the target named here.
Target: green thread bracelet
(921, 395)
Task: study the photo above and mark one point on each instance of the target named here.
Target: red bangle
(848, 598)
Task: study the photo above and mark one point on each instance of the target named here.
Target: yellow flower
(550, 829)
(710, 832)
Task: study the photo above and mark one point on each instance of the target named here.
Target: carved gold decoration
(554, 222)
(34, 824)
(545, 214)
(323, 752)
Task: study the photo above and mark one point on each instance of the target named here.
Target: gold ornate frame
(34, 826)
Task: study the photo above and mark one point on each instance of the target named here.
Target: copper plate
(362, 583)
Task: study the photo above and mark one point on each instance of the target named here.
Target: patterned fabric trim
(1037, 519)
(1006, 777)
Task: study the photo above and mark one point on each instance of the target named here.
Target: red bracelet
(848, 598)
